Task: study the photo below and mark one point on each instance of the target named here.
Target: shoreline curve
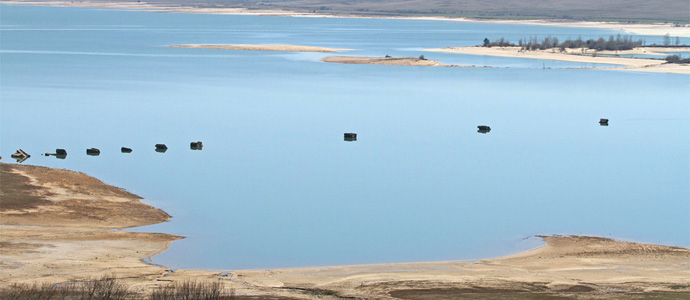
(41, 247)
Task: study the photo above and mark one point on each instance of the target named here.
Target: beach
(62, 226)
(582, 56)
(632, 28)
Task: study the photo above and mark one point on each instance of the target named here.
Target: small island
(393, 61)
(261, 47)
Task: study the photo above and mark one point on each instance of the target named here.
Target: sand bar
(55, 226)
(641, 29)
(258, 47)
(395, 61)
(580, 56)
(392, 61)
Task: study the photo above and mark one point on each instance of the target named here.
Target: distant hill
(675, 11)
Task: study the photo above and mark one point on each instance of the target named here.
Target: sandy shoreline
(55, 226)
(641, 29)
(262, 47)
(581, 56)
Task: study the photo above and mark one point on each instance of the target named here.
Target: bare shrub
(192, 290)
(104, 288)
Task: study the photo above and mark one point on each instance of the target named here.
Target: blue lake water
(275, 184)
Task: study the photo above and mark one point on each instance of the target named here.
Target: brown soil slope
(56, 226)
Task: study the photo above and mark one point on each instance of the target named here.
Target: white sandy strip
(633, 64)
(288, 48)
(642, 29)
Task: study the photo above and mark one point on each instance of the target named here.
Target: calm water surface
(276, 185)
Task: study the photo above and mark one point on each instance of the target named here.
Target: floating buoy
(196, 145)
(350, 136)
(93, 152)
(161, 148)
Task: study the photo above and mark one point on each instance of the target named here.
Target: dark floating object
(483, 129)
(20, 156)
(196, 145)
(350, 136)
(93, 152)
(59, 153)
(161, 148)
(604, 122)
(126, 150)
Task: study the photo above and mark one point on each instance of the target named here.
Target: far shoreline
(658, 29)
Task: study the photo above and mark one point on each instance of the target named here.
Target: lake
(277, 186)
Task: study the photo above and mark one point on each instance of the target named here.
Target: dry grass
(16, 192)
(192, 290)
(108, 288)
(104, 288)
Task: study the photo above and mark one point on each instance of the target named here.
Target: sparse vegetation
(104, 288)
(618, 42)
(675, 59)
(108, 288)
(192, 290)
(17, 192)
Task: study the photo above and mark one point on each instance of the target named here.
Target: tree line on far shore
(618, 42)
(613, 43)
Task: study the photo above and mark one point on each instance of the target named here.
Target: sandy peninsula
(61, 226)
(396, 61)
(58, 226)
(582, 56)
(286, 48)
